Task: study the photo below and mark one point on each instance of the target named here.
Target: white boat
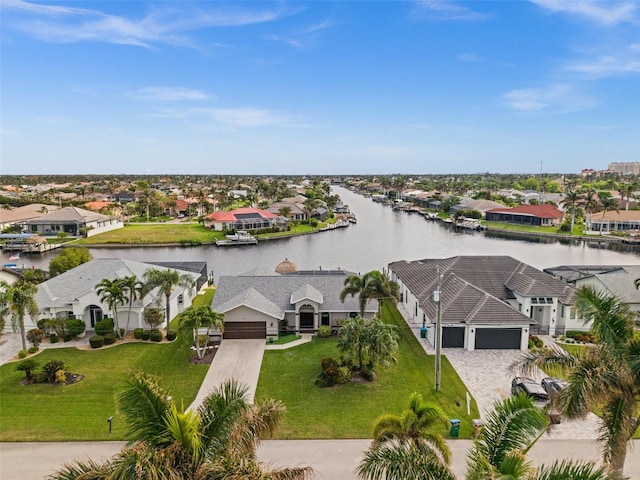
(240, 236)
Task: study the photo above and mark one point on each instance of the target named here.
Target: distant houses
(72, 221)
(618, 221)
(535, 215)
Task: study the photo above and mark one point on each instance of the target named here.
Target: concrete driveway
(235, 359)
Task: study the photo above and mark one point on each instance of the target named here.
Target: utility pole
(438, 336)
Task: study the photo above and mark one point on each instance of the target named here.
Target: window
(180, 299)
(324, 318)
(353, 314)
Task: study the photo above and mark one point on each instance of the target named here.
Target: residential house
(20, 215)
(614, 221)
(534, 215)
(247, 218)
(74, 221)
(486, 302)
(72, 294)
(615, 280)
(258, 306)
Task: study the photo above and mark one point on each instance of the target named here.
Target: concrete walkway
(235, 359)
(304, 338)
(330, 459)
(11, 344)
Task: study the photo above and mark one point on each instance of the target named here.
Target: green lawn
(348, 411)
(157, 233)
(80, 411)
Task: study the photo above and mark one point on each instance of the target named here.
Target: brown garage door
(245, 330)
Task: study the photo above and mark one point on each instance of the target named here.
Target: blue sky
(317, 87)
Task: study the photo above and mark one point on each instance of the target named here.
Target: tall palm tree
(133, 289)
(572, 197)
(605, 377)
(627, 190)
(414, 425)
(373, 284)
(218, 441)
(195, 318)
(607, 203)
(112, 292)
(18, 300)
(166, 280)
(353, 285)
(510, 431)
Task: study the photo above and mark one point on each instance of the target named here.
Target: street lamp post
(438, 336)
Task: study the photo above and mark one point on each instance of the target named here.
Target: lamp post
(438, 336)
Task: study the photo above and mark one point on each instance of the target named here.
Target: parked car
(553, 386)
(529, 386)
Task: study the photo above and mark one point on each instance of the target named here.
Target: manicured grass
(157, 233)
(348, 411)
(80, 411)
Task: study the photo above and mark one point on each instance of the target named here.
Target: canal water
(380, 236)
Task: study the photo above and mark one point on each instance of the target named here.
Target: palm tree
(572, 197)
(285, 211)
(510, 431)
(605, 377)
(133, 289)
(414, 426)
(607, 203)
(166, 281)
(368, 343)
(113, 293)
(627, 189)
(353, 285)
(18, 300)
(378, 285)
(193, 319)
(372, 284)
(218, 441)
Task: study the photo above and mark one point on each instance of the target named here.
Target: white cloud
(604, 12)
(555, 98)
(168, 94)
(446, 10)
(235, 117)
(608, 66)
(292, 42)
(165, 25)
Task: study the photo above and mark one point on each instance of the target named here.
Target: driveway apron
(235, 359)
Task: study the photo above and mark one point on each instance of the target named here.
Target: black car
(529, 386)
(553, 386)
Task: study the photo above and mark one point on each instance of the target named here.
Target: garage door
(498, 338)
(245, 330)
(452, 337)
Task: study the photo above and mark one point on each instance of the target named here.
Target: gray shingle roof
(253, 299)
(475, 289)
(281, 290)
(65, 288)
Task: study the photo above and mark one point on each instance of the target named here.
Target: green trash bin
(455, 427)
(423, 332)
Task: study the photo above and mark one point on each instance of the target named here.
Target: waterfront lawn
(80, 411)
(153, 234)
(348, 411)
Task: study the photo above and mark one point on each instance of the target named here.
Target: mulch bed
(71, 378)
(208, 357)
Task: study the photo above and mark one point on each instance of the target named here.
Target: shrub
(67, 337)
(104, 326)
(137, 333)
(368, 374)
(565, 228)
(153, 317)
(75, 327)
(146, 334)
(50, 368)
(53, 338)
(324, 331)
(536, 341)
(33, 349)
(23, 354)
(96, 341)
(313, 222)
(171, 335)
(35, 336)
(109, 338)
(343, 375)
(27, 366)
(61, 377)
(155, 335)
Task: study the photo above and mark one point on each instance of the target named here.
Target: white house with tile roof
(73, 221)
(256, 306)
(487, 302)
(72, 294)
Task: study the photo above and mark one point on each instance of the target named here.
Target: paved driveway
(235, 359)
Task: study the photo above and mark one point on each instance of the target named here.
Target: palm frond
(183, 428)
(575, 470)
(82, 470)
(144, 404)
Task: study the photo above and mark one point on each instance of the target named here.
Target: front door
(307, 314)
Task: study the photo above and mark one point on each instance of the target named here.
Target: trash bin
(423, 332)
(477, 427)
(555, 417)
(455, 427)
